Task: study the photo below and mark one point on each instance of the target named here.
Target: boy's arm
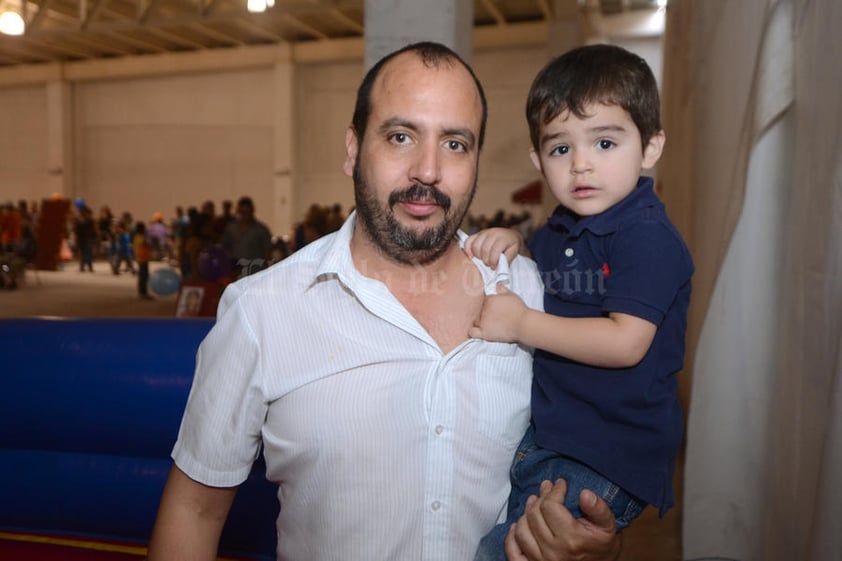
(487, 245)
(617, 341)
(190, 519)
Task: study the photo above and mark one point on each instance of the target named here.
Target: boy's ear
(654, 149)
(536, 160)
(352, 147)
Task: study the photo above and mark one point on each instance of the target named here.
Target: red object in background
(42, 547)
(36, 547)
(529, 194)
(52, 228)
(198, 298)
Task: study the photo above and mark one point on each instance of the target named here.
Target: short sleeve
(648, 265)
(219, 437)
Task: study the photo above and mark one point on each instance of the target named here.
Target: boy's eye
(606, 144)
(559, 150)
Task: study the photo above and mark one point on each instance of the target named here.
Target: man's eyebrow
(467, 134)
(393, 122)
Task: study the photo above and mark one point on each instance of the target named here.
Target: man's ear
(536, 160)
(654, 149)
(352, 147)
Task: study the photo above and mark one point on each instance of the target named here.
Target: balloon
(164, 281)
(214, 263)
(79, 203)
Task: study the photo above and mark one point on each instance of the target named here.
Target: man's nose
(426, 166)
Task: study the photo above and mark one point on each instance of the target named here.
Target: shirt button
(439, 429)
(568, 252)
(436, 505)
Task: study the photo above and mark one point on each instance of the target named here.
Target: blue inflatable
(88, 416)
(164, 281)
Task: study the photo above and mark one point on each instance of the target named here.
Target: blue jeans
(531, 466)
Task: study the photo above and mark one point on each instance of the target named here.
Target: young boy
(605, 409)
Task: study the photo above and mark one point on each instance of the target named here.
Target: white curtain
(758, 193)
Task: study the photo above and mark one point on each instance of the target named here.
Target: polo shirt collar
(607, 222)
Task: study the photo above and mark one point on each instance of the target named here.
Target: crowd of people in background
(128, 245)
(18, 241)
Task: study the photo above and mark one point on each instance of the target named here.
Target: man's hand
(548, 532)
(487, 245)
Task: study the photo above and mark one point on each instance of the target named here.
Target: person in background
(221, 221)
(247, 240)
(121, 249)
(158, 237)
(105, 227)
(199, 236)
(10, 222)
(87, 239)
(389, 431)
(143, 254)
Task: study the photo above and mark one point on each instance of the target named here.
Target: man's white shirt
(383, 446)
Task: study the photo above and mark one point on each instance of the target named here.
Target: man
(247, 241)
(389, 431)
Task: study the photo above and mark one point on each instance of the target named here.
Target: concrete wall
(150, 134)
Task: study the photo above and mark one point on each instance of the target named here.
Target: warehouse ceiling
(75, 30)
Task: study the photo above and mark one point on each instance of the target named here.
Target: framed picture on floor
(190, 301)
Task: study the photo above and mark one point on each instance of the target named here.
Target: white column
(392, 24)
(60, 138)
(281, 220)
(566, 29)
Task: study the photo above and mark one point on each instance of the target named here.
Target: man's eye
(606, 144)
(456, 146)
(399, 137)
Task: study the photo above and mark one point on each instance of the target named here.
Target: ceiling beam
(93, 15)
(38, 17)
(495, 12)
(310, 30)
(218, 35)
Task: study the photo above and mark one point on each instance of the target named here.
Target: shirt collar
(337, 260)
(607, 222)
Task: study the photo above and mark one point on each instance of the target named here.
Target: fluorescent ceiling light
(11, 23)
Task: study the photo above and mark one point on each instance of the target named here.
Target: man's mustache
(420, 192)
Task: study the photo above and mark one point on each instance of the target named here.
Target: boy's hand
(487, 245)
(500, 317)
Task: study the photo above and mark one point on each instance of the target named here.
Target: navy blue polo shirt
(625, 423)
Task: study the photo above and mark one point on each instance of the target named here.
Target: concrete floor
(70, 293)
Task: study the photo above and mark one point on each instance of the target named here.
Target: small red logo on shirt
(605, 270)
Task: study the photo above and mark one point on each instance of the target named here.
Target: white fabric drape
(761, 205)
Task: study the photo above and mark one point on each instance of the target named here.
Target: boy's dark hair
(433, 55)
(594, 74)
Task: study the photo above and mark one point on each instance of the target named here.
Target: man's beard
(394, 240)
